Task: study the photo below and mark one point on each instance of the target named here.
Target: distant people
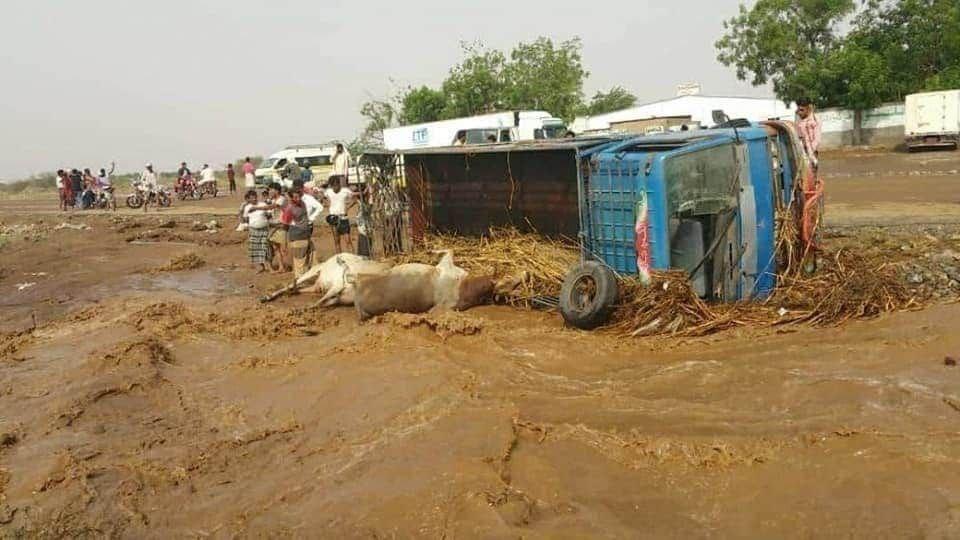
(341, 165)
(460, 139)
(63, 189)
(105, 184)
(810, 130)
(314, 207)
(232, 179)
(149, 183)
(299, 230)
(278, 233)
(207, 176)
(76, 187)
(339, 201)
(255, 215)
(290, 174)
(491, 138)
(248, 169)
(306, 175)
(88, 195)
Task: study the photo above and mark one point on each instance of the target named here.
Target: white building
(698, 108)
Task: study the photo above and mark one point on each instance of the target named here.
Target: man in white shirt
(149, 182)
(207, 175)
(314, 207)
(339, 201)
(341, 165)
(106, 185)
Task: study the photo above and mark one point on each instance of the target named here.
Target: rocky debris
(211, 226)
(166, 223)
(950, 361)
(72, 226)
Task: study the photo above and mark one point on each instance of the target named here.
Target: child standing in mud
(256, 215)
(278, 233)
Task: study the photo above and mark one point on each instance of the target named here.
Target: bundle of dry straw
(847, 285)
(542, 262)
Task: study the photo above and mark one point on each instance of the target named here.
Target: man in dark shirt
(76, 185)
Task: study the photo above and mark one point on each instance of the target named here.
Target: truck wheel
(588, 295)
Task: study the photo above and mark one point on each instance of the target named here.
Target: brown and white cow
(418, 288)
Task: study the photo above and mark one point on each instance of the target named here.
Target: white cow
(330, 279)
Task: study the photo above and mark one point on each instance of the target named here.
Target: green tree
(774, 39)
(615, 99)
(380, 114)
(543, 76)
(919, 40)
(422, 104)
(475, 85)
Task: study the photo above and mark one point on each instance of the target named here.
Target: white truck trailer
(488, 128)
(932, 120)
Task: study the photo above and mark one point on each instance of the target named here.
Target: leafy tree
(475, 85)
(380, 114)
(919, 40)
(775, 39)
(422, 104)
(541, 75)
(615, 99)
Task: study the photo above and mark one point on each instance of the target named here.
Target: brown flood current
(137, 403)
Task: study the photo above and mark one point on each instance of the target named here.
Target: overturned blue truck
(706, 202)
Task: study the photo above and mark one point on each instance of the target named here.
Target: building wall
(882, 126)
(641, 126)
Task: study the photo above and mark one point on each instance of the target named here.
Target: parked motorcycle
(136, 199)
(208, 188)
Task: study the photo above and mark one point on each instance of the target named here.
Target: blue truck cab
(705, 202)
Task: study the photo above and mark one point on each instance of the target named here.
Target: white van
(932, 120)
(317, 157)
(487, 128)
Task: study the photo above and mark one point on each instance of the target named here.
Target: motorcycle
(137, 199)
(208, 188)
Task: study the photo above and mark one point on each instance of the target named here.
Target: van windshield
(702, 182)
(268, 163)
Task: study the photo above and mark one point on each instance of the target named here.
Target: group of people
(186, 180)
(280, 222)
(82, 190)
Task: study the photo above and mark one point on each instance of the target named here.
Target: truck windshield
(702, 182)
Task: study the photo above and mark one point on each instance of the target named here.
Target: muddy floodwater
(140, 403)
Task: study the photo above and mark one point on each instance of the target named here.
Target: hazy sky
(85, 82)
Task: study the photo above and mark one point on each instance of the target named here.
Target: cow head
(474, 291)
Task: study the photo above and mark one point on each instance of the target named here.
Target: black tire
(134, 201)
(588, 295)
(163, 199)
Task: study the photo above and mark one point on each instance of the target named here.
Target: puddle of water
(202, 282)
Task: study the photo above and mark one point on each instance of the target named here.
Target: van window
(313, 161)
(481, 136)
(702, 182)
(504, 135)
(553, 132)
(280, 163)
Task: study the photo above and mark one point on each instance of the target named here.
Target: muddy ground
(143, 401)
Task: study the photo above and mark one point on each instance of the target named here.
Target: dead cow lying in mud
(418, 288)
(331, 279)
